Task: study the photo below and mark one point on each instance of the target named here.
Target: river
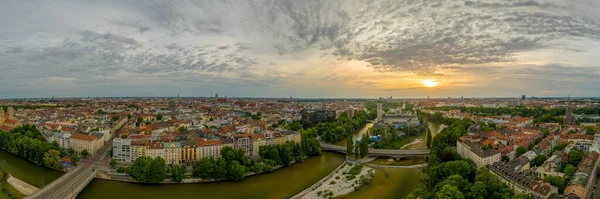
(281, 183)
(26, 171)
(356, 134)
(394, 182)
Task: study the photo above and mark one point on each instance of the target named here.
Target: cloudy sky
(309, 48)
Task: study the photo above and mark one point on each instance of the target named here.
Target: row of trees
(147, 169)
(344, 126)
(234, 165)
(359, 150)
(540, 114)
(282, 154)
(28, 143)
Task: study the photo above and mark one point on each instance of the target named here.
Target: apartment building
(209, 148)
(122, 150)
(63, 139)
(509, 174)
(80, 142)
(138, 149)
(474, 151)
(172, 152)
(244, 142)
(155, 150)
(189, 151)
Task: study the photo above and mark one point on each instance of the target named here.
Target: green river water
(281, 183)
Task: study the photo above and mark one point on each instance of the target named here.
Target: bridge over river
(396, 154)
(74, 181)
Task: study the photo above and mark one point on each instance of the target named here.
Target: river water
(356, 134)
(281, 183)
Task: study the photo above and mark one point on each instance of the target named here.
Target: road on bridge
(71, 183)
(403, 152)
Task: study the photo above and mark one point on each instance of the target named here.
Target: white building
(63, 139)
(122, 149)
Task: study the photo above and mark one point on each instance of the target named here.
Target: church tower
(1, 116)
(569, 119)
(11, 113)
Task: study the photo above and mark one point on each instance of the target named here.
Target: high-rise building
(522, 97)
(350, 112)
(379, 112)
(569, 119)
(217, 97)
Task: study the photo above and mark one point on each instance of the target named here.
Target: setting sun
(430, 83)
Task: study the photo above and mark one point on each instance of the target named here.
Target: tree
(141, 168)
(449, 192)
(115, 118)
(235, 171)
(52, 159)
(85, 154)
(123, 136)
(177, 173)
(505, 158)
(349, 146)
(539, 160)
(429, 138)
(285, 154)
(71, 151)
(478, 190)
(159, 117)
(356, 151)
(220, 169)
(204, 168)
(574, 157)
(557, 181)
(113, 163)
(182, 129)
(570, 170)
(75, 159)
(158, 170)
(364, 145)
(520, 151)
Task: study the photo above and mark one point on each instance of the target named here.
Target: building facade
(63, 139)
(189, 151)
(474, 152)
(172, 152)
(210, 148)
(122, 149)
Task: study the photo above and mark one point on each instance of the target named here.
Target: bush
(355, 170)
(365, 180)
(350, 177)
(333, 182)
(121, 170)
(319, 193)
(337, 177)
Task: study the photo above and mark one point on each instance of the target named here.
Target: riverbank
(343, 181)
(21, 186)
(112, 175)
(282, 183)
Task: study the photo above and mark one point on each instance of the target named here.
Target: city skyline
(319, 49)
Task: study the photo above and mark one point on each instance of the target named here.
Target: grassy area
(9, 190)
(396, 143)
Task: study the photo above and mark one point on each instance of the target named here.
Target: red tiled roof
(209, 142)
(83, 137)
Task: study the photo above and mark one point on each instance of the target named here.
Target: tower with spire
(569, 119)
